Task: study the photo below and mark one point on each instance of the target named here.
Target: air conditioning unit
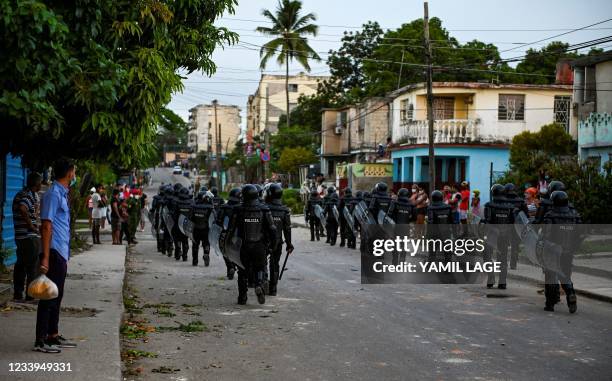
(338, 130)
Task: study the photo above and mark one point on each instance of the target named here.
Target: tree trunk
(287, 92)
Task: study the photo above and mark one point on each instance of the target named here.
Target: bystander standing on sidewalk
(116, 217)
(26, 206)
(97, 214)
(55, 238)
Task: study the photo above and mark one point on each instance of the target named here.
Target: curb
(579, 291)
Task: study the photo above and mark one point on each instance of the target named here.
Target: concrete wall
(603, 83)
(269, 101)
(203, 118)
(595, 137)
(539, 109)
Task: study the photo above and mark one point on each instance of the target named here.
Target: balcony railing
(445, 131)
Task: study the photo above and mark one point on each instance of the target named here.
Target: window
(293, 88)
(341, 119)
(511, 107)
(562, 110)
(406, 110)
(444, 108)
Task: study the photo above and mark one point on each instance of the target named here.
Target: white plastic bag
(43, 288)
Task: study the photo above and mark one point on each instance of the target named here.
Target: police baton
(284, 265)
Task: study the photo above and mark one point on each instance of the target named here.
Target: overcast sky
(522, 21)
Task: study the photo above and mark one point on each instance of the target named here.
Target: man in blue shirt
(55, 239)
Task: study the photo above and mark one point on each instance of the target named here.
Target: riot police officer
(309, 214)
(183, 207)
(403, 212)
(217, 200)
(563, 231)
(165, 208)
(439, 220)
(252, 223)
(545, 202)
(200, 214)
(499, 212)
(380, 202)
(347, 202)
(330, 205)
(225, 213)
(519, 205)
(156, 205)
(281, 215)
(173, 208)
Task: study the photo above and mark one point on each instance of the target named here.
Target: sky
(508, 24)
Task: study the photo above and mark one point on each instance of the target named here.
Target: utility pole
(218, 140)
(430, 113)
(267, 147)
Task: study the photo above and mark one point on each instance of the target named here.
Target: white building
(203, 136)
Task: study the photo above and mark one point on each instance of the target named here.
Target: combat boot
(230, 273)
(206, 258)
(242, 299)
(342, 241)
(261, 295)
(572, 302)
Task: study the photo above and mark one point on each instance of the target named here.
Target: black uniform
(403, 212)
(563, 231)
(252, 222)
(330, 203)
(347, 202)
(439, 222)
(499, 212)
(310, 216)
(156, 207)
(225, 213)
(380, 201)
(168, 203)
(519, 205)
(281, 215)
(200, 215)
(182, 206)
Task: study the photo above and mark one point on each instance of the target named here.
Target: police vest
(402, 211)
(200, 214)
(439, 214)
(251, 223)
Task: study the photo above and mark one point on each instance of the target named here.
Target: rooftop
(592, 60)
(478, 85)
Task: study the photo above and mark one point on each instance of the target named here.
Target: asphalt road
(325, 325)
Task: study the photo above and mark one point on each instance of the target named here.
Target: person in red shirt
(464, 206)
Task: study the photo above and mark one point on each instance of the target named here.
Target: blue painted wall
(14, 182)
(478, 162)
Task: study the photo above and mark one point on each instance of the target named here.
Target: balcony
(445, 131)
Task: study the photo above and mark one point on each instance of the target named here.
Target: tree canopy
(91, 81)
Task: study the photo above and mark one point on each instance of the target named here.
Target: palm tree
(288, 28)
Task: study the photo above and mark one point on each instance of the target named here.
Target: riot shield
(350, 220)
(383, 218)
(185, 226)
(336, 214)
(362, 214)
(168, 220)
(232, 249)
(540, 252)
(214, 235)
(318, 210)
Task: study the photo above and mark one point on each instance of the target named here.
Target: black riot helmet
(314, 193)
(331, 190)
(359, 194)
(234, 195)
(259, 190)
(204, 189)
(250, 193)
(214, 191)
(556, 185)
(177, 187)
(275, 192)
(509, 188)
(381, 188)
(437, 196)
(559, 198)
(497, 190)
(184, 192)
(348, 192)
(403, 193)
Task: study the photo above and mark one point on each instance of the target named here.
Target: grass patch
(598, 246)
(135, 330)
(194, 326)
(158, 305)
(163, 311)
(135, 354)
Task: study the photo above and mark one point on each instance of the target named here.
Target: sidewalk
(91, 316)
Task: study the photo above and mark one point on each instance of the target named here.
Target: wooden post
(430, 113)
